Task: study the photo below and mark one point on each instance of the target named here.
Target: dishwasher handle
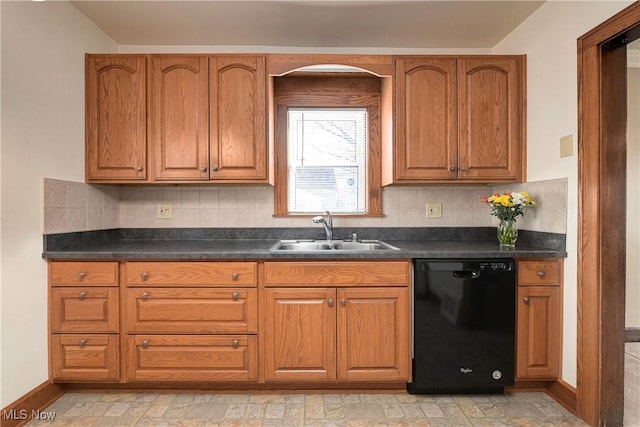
(471, 274)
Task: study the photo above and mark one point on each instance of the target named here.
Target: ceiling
(305, 23)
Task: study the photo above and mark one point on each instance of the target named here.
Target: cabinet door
(89, 309)
(238, 118)
(426, 139)
(491, 115)
(179, 117)
(538, 336)
(299, 334)
(116, 117)
(373, 334)
(85, 357)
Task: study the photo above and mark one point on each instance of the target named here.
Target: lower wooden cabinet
(191, 358)
(373, 334)
(356, 330)
(539, 319)
(85, 357)
(191, 321)
(84, 319)
(299, 334)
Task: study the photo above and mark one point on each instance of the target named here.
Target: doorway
(601, 218)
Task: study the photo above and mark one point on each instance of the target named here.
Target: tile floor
(156, 410)
(240, 410)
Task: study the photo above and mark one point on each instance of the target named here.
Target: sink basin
(337, 245)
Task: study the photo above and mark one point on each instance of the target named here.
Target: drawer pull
(82, 295)
(541, 274)
(330, 302)
(235, 343)
(145, 343)
(144, 276)
(145, 296)
(82, 275)
(234, 276)
(235, 296)
(343, 302)
(526, 300)
(83, 342)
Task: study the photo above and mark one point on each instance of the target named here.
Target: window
(327, 145)
(327, 160)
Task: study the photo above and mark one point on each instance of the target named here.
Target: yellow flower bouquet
(507, 207)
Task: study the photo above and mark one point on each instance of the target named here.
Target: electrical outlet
(165, 211)
(434, 210)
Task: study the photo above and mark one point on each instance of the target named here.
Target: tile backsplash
(76, 206)
(72, 206)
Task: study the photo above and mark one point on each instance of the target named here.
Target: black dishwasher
(463, 326)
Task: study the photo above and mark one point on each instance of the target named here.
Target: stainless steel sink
(336, 245)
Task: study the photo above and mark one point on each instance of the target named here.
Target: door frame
(601, 218)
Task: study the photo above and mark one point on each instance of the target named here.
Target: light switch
(566, 146)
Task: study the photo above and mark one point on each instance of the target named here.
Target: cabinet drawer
(539, 272)
(192, 310)
(191, 273)
(337, 273)
(85, 357)
(84, 309)
(83, 273)
(192, 358)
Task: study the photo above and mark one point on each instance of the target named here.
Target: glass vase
(507, 233)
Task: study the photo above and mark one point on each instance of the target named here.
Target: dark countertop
(255, 244)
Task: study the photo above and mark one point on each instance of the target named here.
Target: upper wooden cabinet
(238, 118)
(116, 118)
(179, 117)
(207, 118)
(459, 119)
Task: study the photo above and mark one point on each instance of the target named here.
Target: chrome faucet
(327, 223)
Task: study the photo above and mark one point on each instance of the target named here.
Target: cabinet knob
(144, 275)
(343, 302)
(214, 168)
(145, 343)
(526, 300)
(203, 169)
(464, 168)
(139, 169)
(541, 274)
(145, 296)
(83, 342)
(235, 296)
(235, 343)
(234, 276)
(330, 302)
(452, 168)
(82, 275)
(81, 295)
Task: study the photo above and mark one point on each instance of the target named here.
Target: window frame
(328, 90)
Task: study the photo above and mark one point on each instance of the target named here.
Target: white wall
(43, 46)
(549, 39)
(632, 307)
